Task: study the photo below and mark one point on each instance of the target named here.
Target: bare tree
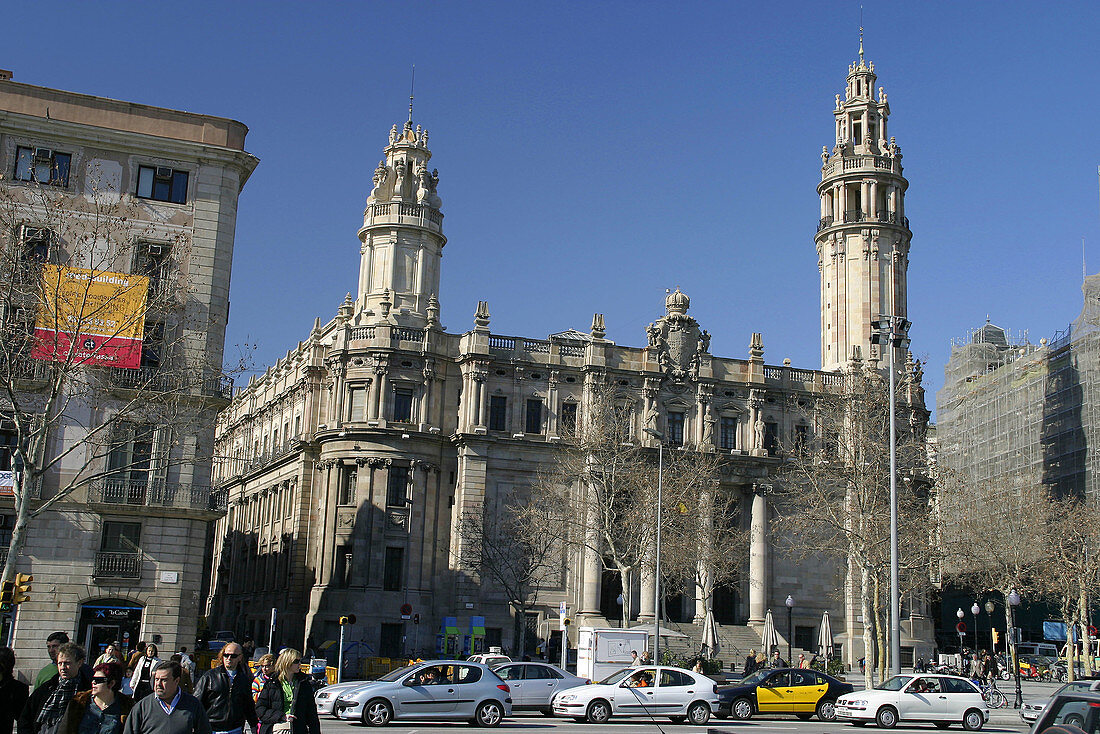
(833, 498)
(85, 280)
(515, 547)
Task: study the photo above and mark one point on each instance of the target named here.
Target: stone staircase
(735, 642)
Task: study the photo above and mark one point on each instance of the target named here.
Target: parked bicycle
(994, 697)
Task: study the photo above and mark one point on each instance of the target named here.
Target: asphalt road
(1002, 721)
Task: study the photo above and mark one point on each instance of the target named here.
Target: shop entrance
(103, 621)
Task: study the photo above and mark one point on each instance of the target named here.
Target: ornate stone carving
(677, 339)
(378, 462)
(425, 466)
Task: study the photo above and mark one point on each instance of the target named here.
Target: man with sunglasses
(226, 693)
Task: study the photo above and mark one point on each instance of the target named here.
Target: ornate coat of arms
(678, 339)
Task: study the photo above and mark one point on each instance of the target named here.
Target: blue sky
(593, 154)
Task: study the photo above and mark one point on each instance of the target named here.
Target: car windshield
(755, 678)
(1077, 685)
(395, 674)
(896, 683)
(615, 677)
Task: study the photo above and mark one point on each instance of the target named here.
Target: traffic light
(996, 635)
(7, 596)
(22, 587)
(567, 621)
(350, 619)
(416, 619)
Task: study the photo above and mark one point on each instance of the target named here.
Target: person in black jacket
(226, 693)
(47, 704)
(750, 664)
(288, 697)
(13, 693)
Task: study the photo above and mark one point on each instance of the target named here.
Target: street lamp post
(891, 331)
(975, 610)
(657, 561)
(790, 608)
(989, 607)
(1013, 602)
(959, 628)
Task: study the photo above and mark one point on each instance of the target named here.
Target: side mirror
(411, 681)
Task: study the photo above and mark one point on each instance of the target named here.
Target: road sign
(562, 609)
(961, 628)
(406, 609)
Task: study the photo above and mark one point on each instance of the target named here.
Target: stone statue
(708, 426)
(654, 335)
(651, 416)
(758, 430)
(424, 139)
(824, 154)
(837, 106)
(704, 341)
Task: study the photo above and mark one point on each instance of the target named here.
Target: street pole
(271, 633)
(340, 657)
(974, 610)
(657, 563)
(790, 608)
(989, 607)
(895, 594)
(1013, 600)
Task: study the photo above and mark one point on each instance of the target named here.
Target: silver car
(534, 684)
(432, 690)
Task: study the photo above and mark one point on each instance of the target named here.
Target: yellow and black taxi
(797, 691)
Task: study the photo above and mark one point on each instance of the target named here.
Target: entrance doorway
(389, 643)
(103, 621)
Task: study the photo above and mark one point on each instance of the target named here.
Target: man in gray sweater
(170, 710)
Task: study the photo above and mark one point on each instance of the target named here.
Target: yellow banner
(91, 317)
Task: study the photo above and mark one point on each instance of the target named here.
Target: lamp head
(789, 602)
(975, 609)
(989, 607)
(1014, 598)
(960, 614)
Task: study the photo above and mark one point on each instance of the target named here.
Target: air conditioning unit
(43, 154)
(164, 172)
(155, 249)
(35, 234)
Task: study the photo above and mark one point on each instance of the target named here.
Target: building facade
(350, 462)
(122, 557)
(1012, 409)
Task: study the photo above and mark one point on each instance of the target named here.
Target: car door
(958, 695)
(463, 691)
(771, 693)
(672, 695)
(416, 700)
(923, 698)
(805, 690)
(540, 683)
(513, 675)
(633, 699)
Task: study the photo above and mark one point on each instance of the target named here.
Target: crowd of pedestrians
(144, 694)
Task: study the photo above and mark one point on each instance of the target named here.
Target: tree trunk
(868, 640)
(19, 529)
(1069, 614)
(880, 631)
(1086, 638)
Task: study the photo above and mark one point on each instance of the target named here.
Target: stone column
(383, 384)
(553, 420)
(372, 395)
(645, 603)
(328, 537)
(482, 399)
(873, 211)
(758, 556)
(593, 566)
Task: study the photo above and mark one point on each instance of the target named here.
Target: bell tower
(402, 235)
(863, 235)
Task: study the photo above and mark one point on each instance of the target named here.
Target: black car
(796, 691)
(1070, 711)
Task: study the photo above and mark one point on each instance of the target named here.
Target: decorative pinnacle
(412, 84)
(860, 57)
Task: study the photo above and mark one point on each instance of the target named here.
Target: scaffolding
(1010, 408)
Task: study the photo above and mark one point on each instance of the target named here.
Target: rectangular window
(130, 456)
(8, 441)
(801, 440)
(35, 244)
(341, 574)
(402, 405)
(120, 537)
(161, 183)
(624, 422)
(568, 417)
(151, 260)
(348, 485)
(42, 165)
(533, 422)
(392, 570)
(728, 433)
(771, 437)
(152, 344)
(397, 486)
(498, 413)
(675, 429)
(357, 404)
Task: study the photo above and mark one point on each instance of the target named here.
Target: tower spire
(412, 86)
(861, 35)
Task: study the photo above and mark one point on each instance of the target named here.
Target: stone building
(351, 460)
(123, 557)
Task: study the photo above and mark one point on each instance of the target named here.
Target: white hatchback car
(649, 691)
(325, 697)
(941, 699)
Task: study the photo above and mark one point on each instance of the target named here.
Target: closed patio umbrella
(769, 638)
(711, 646)
(825, 636)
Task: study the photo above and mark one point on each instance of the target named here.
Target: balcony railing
(207, 382)
(421, 214)
(156, 493)
(117, 565)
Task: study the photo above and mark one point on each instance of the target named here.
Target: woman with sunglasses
(102, 710)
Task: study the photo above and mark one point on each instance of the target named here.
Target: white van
(1037, 648)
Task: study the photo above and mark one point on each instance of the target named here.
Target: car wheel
(741, 709)
(599, 711)
(887, 717)
(973, 720)
(488, 713)
(377, 712)
(1074, 720)
(942, 724)
(699, 713)
(826, 709)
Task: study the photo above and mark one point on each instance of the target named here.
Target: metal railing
(156, 493)
(117, 565)
(207, 382)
